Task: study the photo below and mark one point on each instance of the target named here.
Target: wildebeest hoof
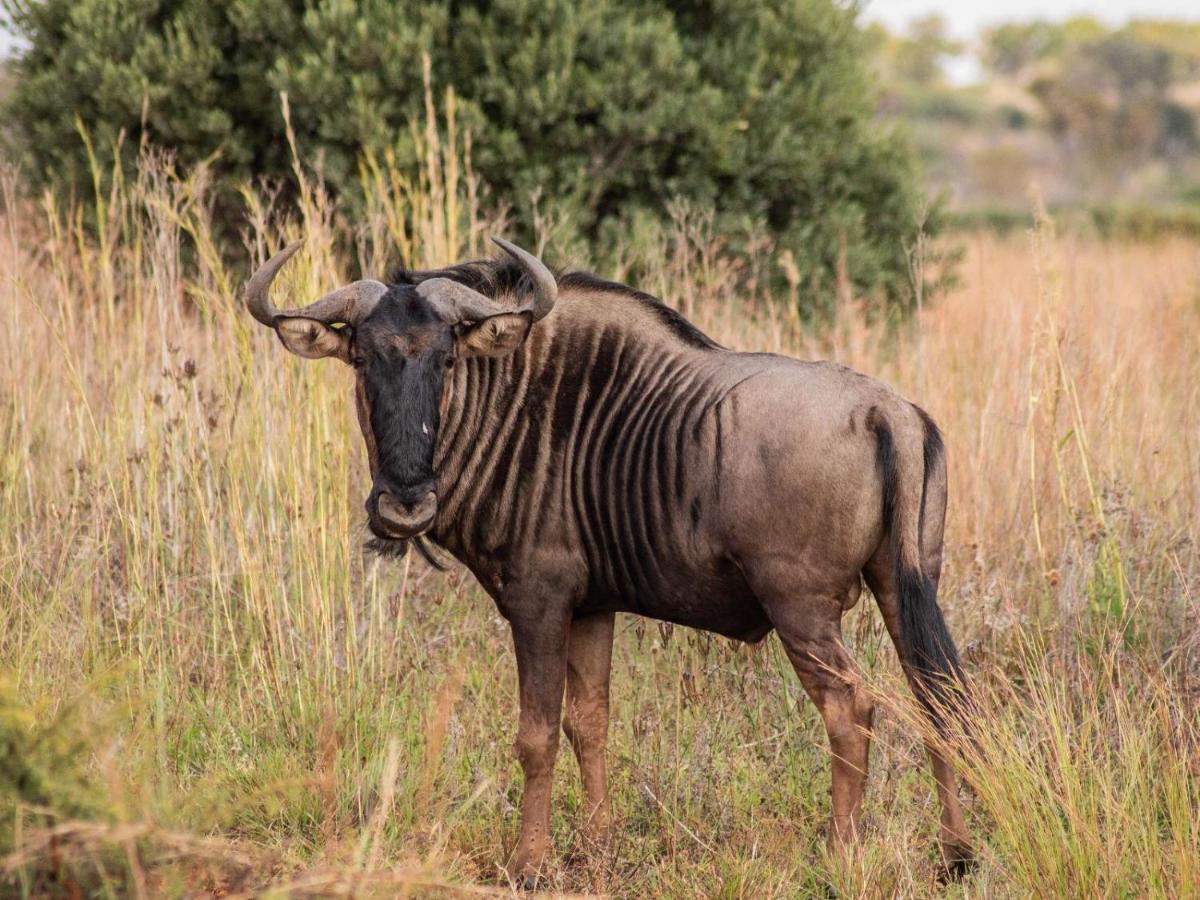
(525, 876)
(958, 861)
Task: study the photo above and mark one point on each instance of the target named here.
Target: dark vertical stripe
(589, 427)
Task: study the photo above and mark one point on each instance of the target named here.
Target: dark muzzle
(393, 518)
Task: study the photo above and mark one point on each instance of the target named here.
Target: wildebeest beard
(397, 549)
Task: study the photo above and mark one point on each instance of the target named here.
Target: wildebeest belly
(718, 601)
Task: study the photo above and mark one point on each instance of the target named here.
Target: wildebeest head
(401, 340)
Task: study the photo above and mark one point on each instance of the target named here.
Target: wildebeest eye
(449, 362)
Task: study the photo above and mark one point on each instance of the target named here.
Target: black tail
(927, 649)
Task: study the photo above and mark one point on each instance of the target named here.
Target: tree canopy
(762, 110)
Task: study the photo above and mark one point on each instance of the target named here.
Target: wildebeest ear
(312, 339)
(495, 335)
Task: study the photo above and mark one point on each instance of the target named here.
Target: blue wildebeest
(584, 450)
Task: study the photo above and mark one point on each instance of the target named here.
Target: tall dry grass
(209, 688)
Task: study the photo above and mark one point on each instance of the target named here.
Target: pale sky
(966, 18)
(6, 40)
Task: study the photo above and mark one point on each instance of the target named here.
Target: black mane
(494, 277)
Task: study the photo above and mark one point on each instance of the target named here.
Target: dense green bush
(762, 110)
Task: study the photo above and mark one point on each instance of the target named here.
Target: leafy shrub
(762, 110)
(43, 764)
(941, 104)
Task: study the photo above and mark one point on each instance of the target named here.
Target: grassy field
(209, 688)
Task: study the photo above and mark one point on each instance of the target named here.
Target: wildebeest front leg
(589, 661)
(540, 641)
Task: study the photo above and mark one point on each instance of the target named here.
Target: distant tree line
(1120, 105)
(1106, 92)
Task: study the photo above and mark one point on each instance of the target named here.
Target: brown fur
(613, 459)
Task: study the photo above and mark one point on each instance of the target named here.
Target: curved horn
(350, 304)
(541, 279)
(456, 302)
(256, 288)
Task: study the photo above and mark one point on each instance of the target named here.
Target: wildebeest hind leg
(810, 629)
(589, 660)
(954, 841)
